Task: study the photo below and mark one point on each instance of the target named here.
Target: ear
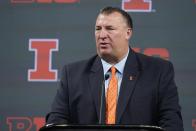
(129, 33)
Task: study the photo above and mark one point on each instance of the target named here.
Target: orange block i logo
(137, 5)
(43, 49)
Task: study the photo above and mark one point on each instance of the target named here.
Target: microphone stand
(102, 96)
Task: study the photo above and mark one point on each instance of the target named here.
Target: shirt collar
(119, 66)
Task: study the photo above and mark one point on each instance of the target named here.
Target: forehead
(110, 19)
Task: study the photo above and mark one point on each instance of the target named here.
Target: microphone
(106, 76)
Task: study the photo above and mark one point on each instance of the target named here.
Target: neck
(113, 59)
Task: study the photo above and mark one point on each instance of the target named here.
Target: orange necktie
(111, 98)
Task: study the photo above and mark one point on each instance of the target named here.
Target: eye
(110, 28)
(97, 28)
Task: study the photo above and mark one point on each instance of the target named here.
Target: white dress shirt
(120, 69)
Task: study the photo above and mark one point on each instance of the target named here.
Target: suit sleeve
(169, 109)
(60, 108)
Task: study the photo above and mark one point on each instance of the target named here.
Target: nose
(103, 34)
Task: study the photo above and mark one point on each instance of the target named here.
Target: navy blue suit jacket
(150, 98)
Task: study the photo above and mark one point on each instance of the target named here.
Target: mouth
(104, 45)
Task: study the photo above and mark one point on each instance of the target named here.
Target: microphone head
(107, 75)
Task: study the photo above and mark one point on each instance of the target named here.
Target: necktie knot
(113, 70)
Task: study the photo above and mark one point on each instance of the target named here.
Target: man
(141, 88)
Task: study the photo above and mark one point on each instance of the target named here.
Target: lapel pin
(131, 78)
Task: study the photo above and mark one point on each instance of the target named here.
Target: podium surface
(100, 128)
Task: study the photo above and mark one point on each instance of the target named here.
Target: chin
(105, 51)
(104, 54)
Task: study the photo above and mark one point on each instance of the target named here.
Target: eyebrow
(105, 26)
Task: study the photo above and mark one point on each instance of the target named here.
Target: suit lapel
(95, 80)
(130, 76)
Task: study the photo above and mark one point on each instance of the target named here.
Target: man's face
(112, 37)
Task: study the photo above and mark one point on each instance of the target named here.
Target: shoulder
(81, 65)
(75, 71)
(154, 63)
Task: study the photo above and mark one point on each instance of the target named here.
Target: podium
(100, 128)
